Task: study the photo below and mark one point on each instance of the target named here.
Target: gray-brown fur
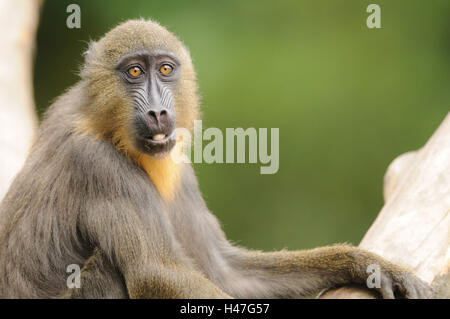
(82, 199)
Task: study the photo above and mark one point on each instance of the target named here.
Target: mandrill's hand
(390, 280)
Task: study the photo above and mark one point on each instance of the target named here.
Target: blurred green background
(347, 100)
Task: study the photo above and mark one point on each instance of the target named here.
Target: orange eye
(135, 71)
(166, 69)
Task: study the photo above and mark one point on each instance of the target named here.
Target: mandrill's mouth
(158, 145)
(159, 138)
(155, 134)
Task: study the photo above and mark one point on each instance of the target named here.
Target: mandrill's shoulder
(97, 164)
(66, 160)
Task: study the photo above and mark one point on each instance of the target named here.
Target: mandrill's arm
(303, 273)
(244, 273)
(138, 248)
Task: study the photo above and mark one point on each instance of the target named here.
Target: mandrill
(99, 189)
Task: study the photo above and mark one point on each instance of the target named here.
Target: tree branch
(412, 229)
(18, 121)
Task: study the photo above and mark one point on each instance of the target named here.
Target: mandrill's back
(63, 177)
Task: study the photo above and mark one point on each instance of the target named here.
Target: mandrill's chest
(165, 173)
(189, 221)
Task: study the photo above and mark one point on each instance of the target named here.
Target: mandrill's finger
(387, 293)
(411, 292)
(423, 291)
(387, 288)
(413, 288)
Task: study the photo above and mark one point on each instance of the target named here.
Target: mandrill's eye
(166, 69)
(135, 71)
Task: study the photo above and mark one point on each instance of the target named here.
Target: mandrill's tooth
(158, 137)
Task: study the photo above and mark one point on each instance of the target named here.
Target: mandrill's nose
(159, 116)
(159, 122)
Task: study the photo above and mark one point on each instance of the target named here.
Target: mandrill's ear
(91, 61)
(90, 52)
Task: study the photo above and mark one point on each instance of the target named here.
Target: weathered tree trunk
(18, 121)
(412, 229)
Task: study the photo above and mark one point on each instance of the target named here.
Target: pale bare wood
(396, 172)
(412, 229)
(18, 121)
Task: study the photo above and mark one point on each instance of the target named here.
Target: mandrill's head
(141, 86)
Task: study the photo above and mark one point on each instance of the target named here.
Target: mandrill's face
(151, 79)
(141, 85)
